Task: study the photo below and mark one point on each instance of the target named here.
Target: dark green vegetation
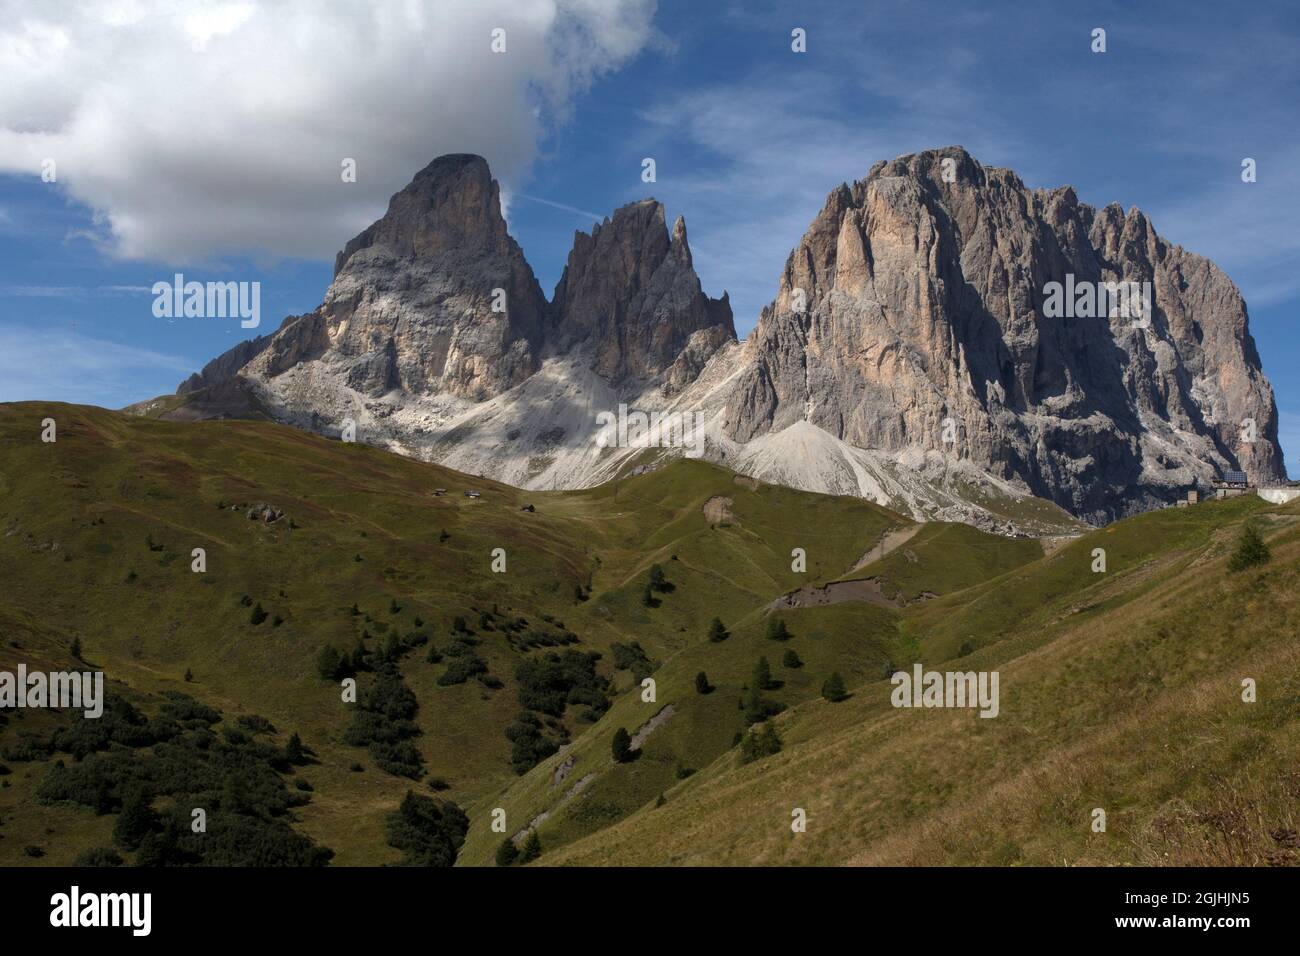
(429, 832)
(182, 793)
(1251, 550)
(469, 682)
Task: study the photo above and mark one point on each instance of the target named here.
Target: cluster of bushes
(120, 724)
(550, 683)
(333, 664)
(535, 637)
(656, 584)
(509, 853)
(529, 742)
(429, 832)
(631, 657)
(776, 629)
(233, 777)
(760, 743)
(833, 688)
(383, 722)
(547, 686)
(464, 661)
(756, 706)
(258, 614)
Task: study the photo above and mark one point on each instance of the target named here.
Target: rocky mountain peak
(434, 297)
(630, 290)
(914, 314)
(453, 203)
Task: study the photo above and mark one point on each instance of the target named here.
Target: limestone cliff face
(630, 292)
(912, 315)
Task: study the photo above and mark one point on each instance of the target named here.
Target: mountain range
(912, 354)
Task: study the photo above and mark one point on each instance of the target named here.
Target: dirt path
(891, 540)
(651, 725)
(542, 817)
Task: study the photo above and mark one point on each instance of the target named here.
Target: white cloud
(196, 129)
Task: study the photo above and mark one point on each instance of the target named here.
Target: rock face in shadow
(912, 315)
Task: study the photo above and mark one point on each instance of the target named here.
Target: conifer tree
(777, 630)
(833, 688)
(532, 848)
(622, 745)
(135, 821)
(507, 852)
(1251, 550)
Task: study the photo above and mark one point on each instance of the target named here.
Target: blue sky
(188, 170)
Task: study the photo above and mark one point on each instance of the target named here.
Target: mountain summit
(943, 340)
(913, 315)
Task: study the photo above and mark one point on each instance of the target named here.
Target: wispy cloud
(1248, 229)
(71, 291)
(595, 217)
(66, 366)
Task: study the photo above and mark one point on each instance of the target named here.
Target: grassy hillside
(1120, 690)
(473, 671)
(99, 529)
